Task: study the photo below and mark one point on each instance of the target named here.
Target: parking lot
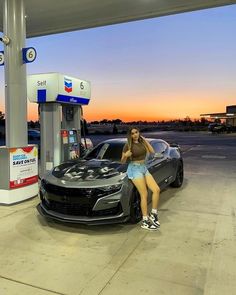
(193, 253)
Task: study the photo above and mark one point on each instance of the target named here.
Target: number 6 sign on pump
(1, 58)
(29, 54)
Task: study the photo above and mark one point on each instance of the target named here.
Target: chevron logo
(67, 85)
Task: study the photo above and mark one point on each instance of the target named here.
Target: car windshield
(107, 150)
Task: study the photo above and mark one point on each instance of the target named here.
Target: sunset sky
(163, 68)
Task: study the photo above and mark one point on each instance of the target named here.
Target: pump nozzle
(82, 119)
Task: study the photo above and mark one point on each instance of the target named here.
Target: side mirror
(158, 156)
(155, 156)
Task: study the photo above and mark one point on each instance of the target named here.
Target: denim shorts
(137, 170)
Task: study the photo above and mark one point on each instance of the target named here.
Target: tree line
(186, 121)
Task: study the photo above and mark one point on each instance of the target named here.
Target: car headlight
(113, 187)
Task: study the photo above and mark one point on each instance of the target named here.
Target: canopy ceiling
(46, 17)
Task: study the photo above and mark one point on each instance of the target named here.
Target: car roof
(124, 140)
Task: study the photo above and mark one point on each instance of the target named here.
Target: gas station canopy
(57, 16)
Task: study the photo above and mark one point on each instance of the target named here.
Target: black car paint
(88, 170)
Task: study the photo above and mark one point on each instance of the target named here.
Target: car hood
(88, 170)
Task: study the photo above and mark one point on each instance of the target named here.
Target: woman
(136, 150)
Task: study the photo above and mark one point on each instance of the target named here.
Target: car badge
(65, 198)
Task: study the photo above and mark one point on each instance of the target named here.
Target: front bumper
(84, 205)
(47, 213)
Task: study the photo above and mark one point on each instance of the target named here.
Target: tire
(179, 176)
(135, 208)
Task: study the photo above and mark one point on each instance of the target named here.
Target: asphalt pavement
(193, 253)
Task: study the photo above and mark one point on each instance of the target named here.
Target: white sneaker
(154, 219)
(148, 224)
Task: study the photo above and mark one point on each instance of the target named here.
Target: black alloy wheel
(135, 208)
(179, 176)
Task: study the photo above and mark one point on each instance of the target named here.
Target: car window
(159, 147)
(93, 154)
(109, 151)
(113, 152)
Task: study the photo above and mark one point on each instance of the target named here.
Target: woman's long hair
(140, 139)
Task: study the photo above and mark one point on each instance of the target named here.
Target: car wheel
(179, 176)
(135, 208)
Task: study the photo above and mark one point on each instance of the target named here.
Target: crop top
(138, 151)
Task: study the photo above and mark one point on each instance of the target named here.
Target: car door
(160, 167)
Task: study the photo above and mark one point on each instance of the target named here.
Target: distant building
(229, 116)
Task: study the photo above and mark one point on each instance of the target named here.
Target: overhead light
(230, 114)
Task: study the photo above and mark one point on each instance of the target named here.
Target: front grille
(76, 201)
(76, 192)
(80, 210)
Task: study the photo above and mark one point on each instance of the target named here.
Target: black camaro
(96, 189)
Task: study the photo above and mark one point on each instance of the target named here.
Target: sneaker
(148, 224)
(154, 219)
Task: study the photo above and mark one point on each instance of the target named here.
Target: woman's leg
(153, 186)
(140, 184)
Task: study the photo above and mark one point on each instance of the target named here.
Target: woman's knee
(156, 190)
(143, 194)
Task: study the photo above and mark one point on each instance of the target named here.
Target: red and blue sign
(68, 85)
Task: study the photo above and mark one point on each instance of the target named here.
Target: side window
(159, 147)
(164, 147)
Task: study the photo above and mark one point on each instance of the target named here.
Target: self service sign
(55, 87)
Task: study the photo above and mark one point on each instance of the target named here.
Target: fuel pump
(60, 98)
(70, 145)
(70, 134)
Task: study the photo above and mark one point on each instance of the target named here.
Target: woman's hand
(148, 146)
(125, 156)
(128, 154)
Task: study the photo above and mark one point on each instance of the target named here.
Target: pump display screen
(72, 136)
(72, 139)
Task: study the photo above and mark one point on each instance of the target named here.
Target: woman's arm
(125, 156)
(149, 147)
